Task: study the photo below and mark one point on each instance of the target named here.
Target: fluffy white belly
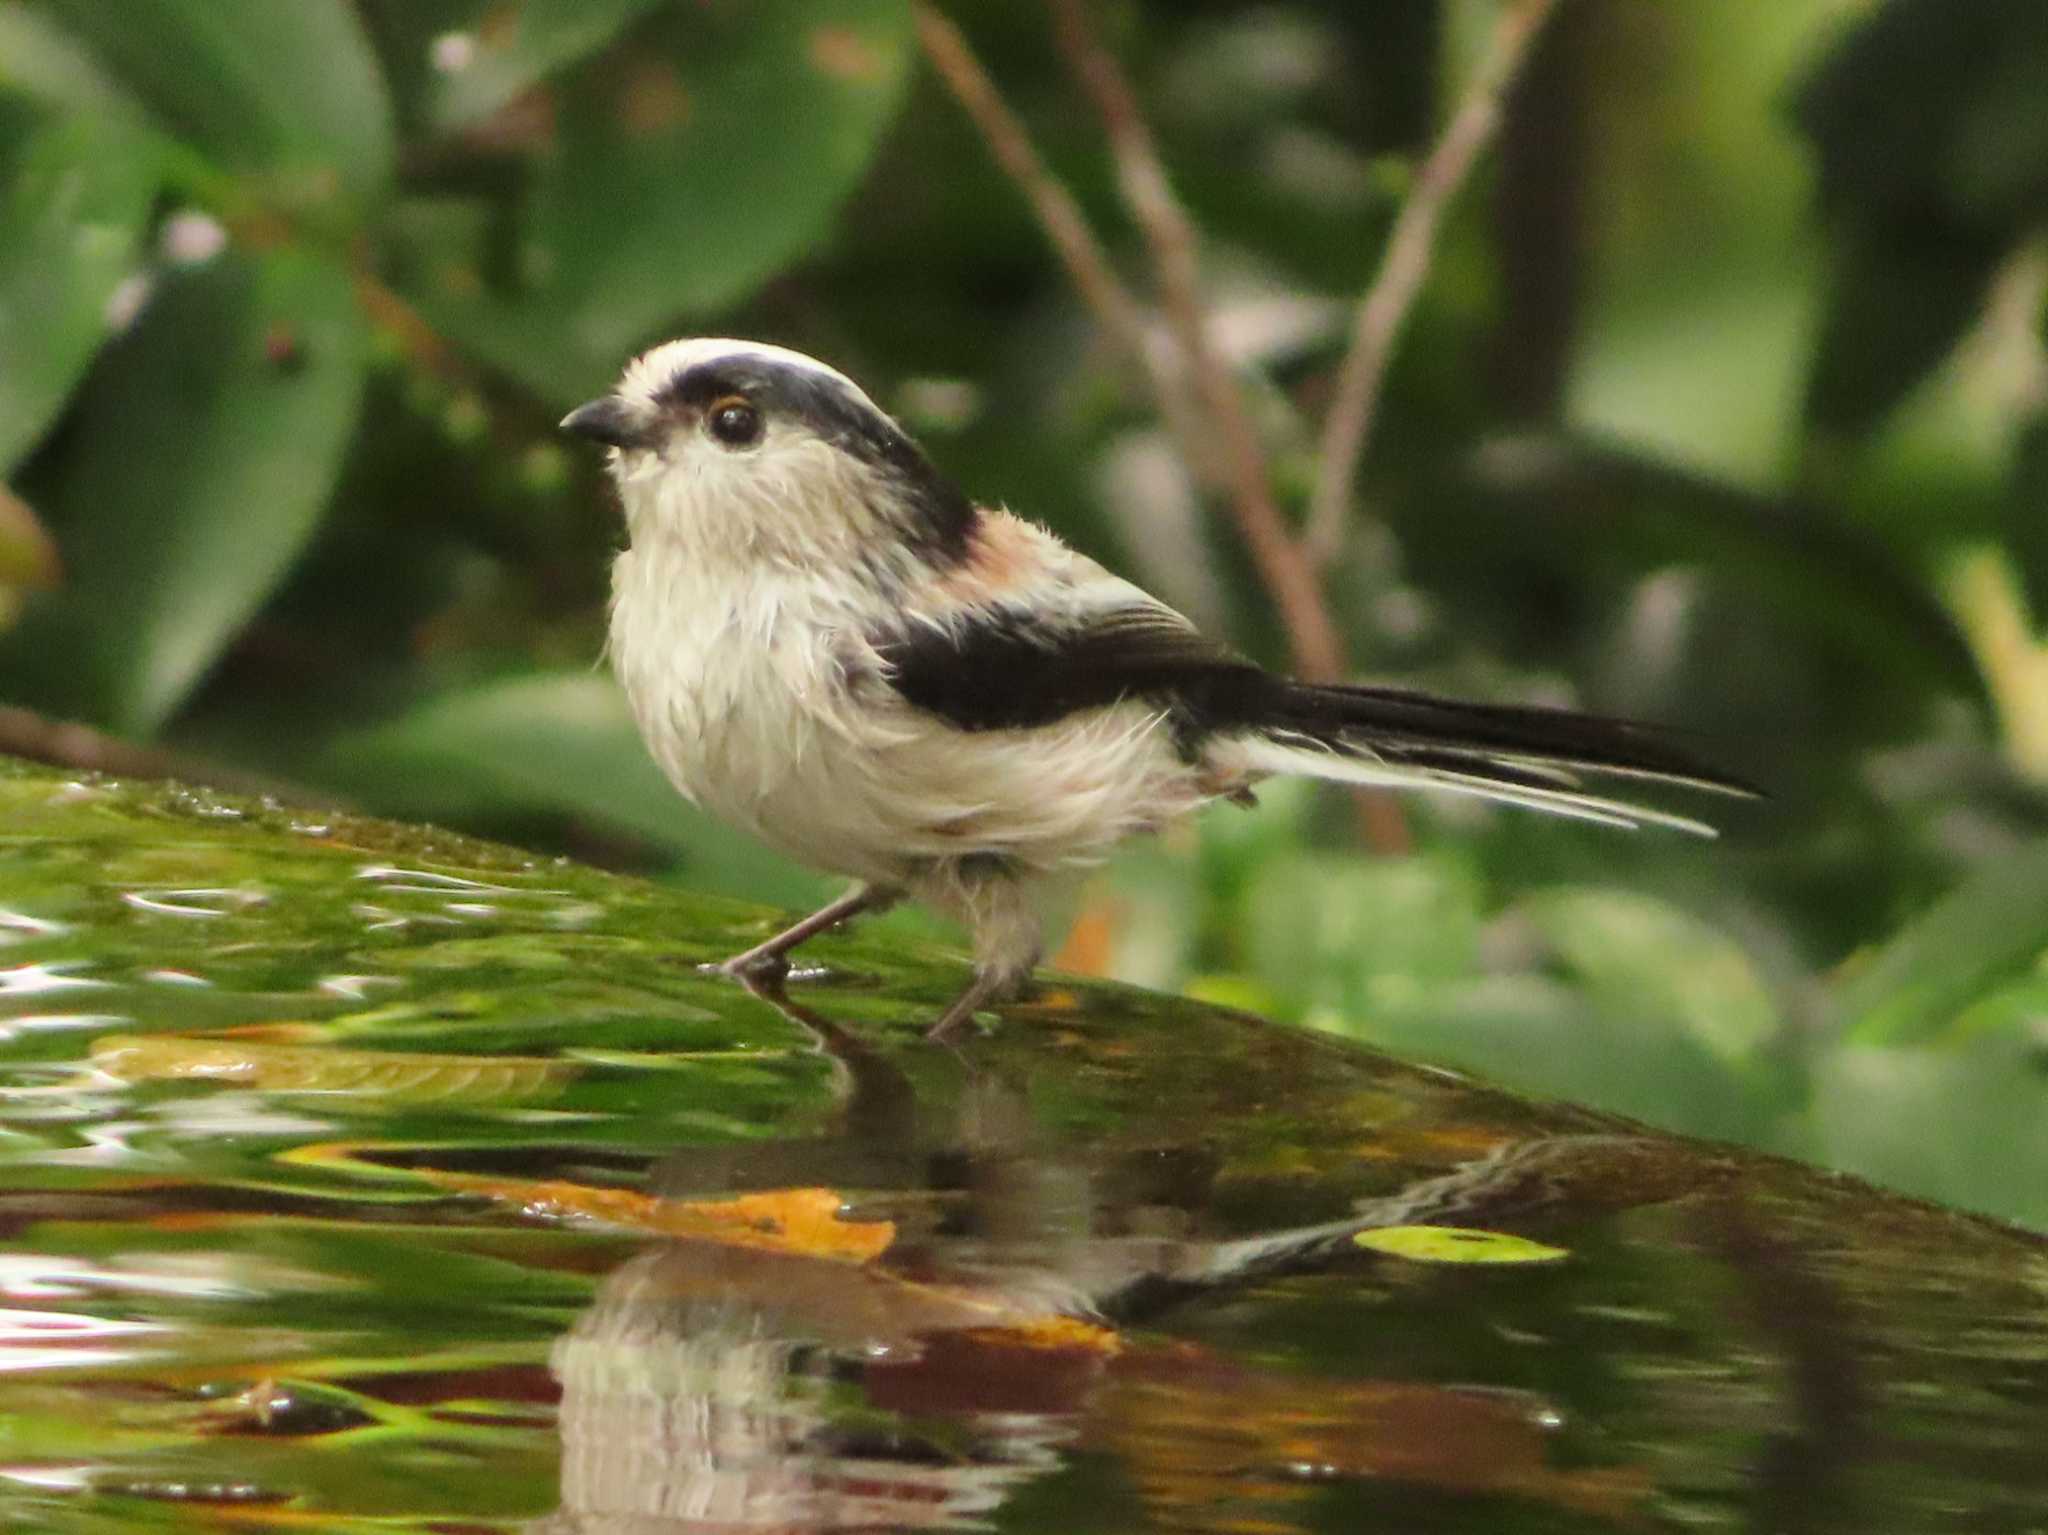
(761, 713)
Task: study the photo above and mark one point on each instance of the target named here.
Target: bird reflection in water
(759, 1384)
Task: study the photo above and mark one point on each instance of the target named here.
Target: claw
(979, 992)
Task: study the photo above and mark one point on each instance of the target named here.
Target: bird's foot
(773, 970)
(982, 990)
(759, 970)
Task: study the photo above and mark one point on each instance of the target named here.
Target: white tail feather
(1264, 754)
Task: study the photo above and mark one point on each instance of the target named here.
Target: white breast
(738, 698)
(759, 699)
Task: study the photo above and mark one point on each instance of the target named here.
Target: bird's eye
(735, 423)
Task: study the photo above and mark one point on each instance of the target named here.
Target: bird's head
(742, 446)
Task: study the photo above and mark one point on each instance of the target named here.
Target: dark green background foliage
(1722, 406)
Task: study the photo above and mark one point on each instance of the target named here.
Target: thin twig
(1170, 236)
(80, 748)
(1116, 309)
(1059, 215)
(1119, 312)
(1404, 267)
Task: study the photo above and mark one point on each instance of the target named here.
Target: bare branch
(1058, 214)
(1170, 236)
(1404, 267)
(1066, 227)
(64, 744)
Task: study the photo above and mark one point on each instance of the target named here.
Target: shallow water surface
(366, 1179)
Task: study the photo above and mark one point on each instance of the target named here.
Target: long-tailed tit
(827, 644)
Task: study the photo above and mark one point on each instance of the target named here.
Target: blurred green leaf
(1926, 109)
(1950, 442)
(1233, 844)
(1985, 589)
(1596, 516)
(43, 63)
(1148, 907)
(1927, 126)
(690, 165)
(2018, 1011)
(27, 556)
(1985, 933)
(558, 741)
(1234, 991)
(1703, 269)
(201, 455)
(717, 156)
(1635, 954)
(1968, 1127)
(2023, 496)
(1367, 935)
(1538, 1035)
(1881, 106)
(68, 232)
(290, 91)
(512, 49)
(1898, 301)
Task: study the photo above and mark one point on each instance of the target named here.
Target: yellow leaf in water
(385, 1076)
(1456, 1244)
(1057, 1333)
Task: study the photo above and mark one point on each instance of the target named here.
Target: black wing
(1012, 668)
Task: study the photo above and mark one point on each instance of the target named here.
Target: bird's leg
(984, 892)
(769, 959)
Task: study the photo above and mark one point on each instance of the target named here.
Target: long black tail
(1538, 758)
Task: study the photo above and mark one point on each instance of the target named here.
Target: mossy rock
(376, 1175)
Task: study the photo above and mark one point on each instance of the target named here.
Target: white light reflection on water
(154, 1144)
(449, 900)
(211, 901)
(51, 1478)
(235, 1113)
(355, 988)
(376, 919)
(35, 980)
(425, 881)
(175, 978)
(106, 1146)
(52, 1023)
(58, 1340)
(45, 1276)
(19, 927)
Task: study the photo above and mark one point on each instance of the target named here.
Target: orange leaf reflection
(805, 1222)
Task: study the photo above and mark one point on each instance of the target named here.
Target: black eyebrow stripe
(940, 516)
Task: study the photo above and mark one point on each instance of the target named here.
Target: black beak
(605, 419)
